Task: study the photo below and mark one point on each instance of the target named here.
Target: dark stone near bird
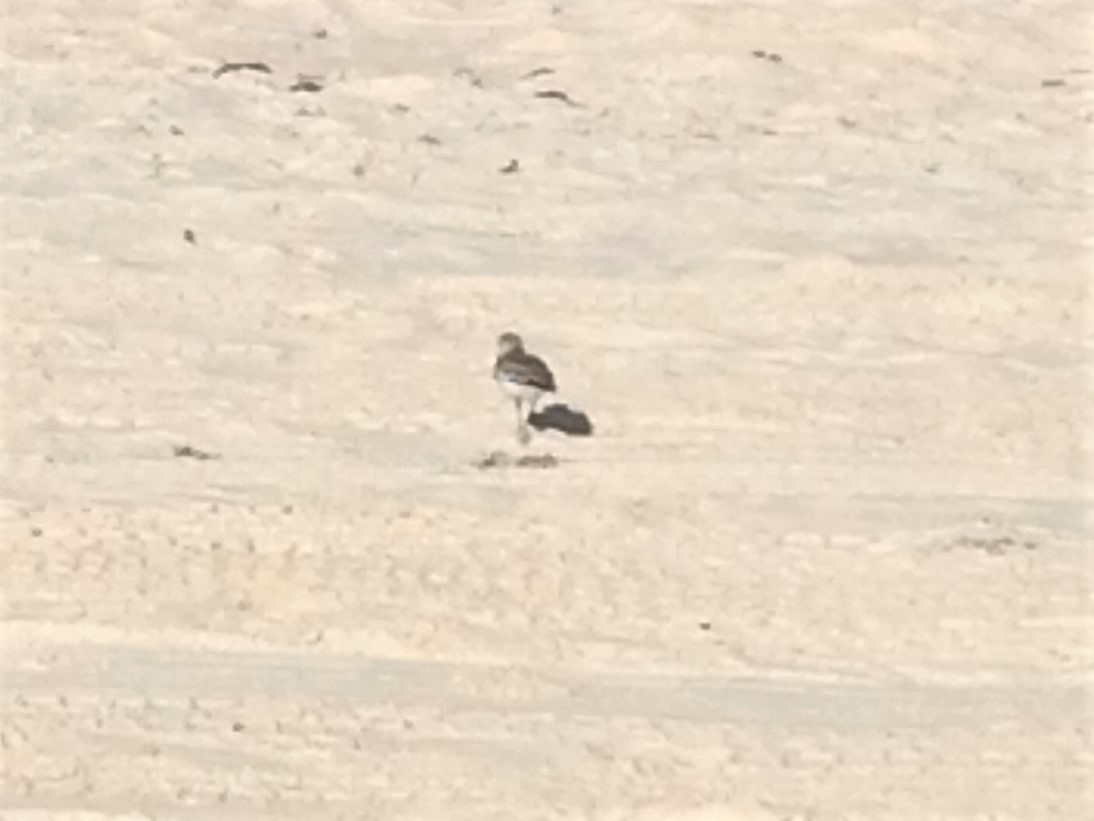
(562, 418)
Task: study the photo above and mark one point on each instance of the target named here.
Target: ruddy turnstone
(523, 377)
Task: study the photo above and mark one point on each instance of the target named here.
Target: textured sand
(828, 554)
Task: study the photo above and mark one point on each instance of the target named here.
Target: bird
(523, 377)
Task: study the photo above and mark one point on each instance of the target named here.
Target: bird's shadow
(562, 418)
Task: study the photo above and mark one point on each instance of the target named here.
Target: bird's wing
(525, 370)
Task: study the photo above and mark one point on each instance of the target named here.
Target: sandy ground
(816, 271)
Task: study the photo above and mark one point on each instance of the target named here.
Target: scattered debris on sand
(501, 459)
(190, 452)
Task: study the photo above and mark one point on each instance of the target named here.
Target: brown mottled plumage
(523, 377)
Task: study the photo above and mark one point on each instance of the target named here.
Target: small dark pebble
(704, 625)
(36, 532)
(760, 54)
(308, 84)
(237, 727)
(538, 72)
(319, 34)
(1053, 82)
(226, 68)
(544, 461)
(511, 167)
(178, 132)
(188, 452)
(555, 94)
(188, 235)
(429, 139)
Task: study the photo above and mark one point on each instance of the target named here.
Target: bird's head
(510, 343)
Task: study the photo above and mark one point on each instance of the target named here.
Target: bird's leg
(520, 420)
(523, 436)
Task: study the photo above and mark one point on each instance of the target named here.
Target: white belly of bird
(525, 393)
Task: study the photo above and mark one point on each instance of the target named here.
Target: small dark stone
(36, 532)
(511, 167)
(188, 452)
(1053, 82)
(225, 68)
(771, 56)
(308, 84)
(178, 132)
(544, 461)
(555, 94)
(704, 625)
(237, 727)
(538, 72)
(190, 237)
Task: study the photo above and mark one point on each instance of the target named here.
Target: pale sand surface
(827, 556)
